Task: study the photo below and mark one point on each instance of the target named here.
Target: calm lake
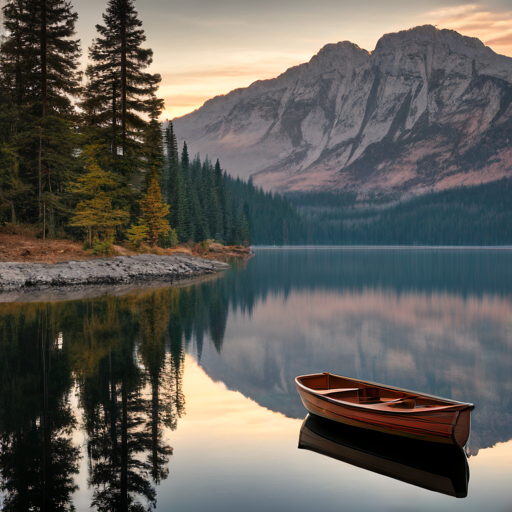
(184, 398)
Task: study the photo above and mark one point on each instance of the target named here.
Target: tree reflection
(154, 314)
(125, 358)
(130, 362)
(218, 319)
(38, 460)
(113, 410)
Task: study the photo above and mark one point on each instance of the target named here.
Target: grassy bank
(22, 244)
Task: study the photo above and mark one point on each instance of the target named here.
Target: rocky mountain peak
(427, 109)
(331, 54)
(430, 36)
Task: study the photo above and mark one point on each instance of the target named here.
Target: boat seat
(334, 390)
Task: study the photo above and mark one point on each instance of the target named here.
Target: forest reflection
(123, 358)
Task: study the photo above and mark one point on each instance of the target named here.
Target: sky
(203, 48)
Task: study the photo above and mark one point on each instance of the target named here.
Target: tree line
(205, 206)
(84, 154)
(479, 215)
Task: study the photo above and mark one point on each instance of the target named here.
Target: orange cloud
(494, 28)
(196, 73)
(505, 40)
(190, 86)
(186, 100)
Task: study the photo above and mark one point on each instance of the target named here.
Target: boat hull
(450, 426)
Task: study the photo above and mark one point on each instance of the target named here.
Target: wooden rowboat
(434, 466)
(385, 409)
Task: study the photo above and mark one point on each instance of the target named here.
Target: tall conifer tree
(120, 90)
(153, 222)
(183, 224)
(18, 56)
(220, 189)
(190, 197)
(195, 223)
(210, 200)
(185, 158)
(153, 145)
(39, 68)
(172, 172)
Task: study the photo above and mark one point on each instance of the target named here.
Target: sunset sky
(204, 48)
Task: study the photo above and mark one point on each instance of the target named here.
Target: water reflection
(124, 359)
(37, 458)
(436, 467)
(440, 323)
(436, 322)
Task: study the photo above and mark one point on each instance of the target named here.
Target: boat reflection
(436, 467)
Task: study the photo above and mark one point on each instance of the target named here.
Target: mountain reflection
(123, 358)
(435, 321)
(113, 367)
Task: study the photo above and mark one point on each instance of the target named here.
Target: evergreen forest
(84, 155)
(471, 216)
(480, 215)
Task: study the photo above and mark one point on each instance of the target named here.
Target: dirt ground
(25, 247)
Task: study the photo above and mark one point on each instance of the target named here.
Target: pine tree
(18, 57)
(228, 220)
(190, 203)
(119, 90)
(95, 210)
(199, 218)
(185, 215)
(194, 206)
(153, 144)
(177, 185)
(210, 201)
(235, 233)
(172, 173)
(183, 224)
(185, 159)
(153, 220)
(220, 189)
(247, 225)
(39, 68)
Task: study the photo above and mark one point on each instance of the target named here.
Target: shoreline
(95, 291)
(385, 247)
(126, 271)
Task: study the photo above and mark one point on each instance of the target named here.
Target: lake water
(184, 399)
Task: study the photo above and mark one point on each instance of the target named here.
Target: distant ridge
(428, 109)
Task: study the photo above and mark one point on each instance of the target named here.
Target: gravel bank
(109, 271)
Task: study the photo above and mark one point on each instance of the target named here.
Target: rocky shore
(109, 271)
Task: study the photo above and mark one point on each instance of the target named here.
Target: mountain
(428, 109)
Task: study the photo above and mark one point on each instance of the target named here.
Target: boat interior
(356, 392)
